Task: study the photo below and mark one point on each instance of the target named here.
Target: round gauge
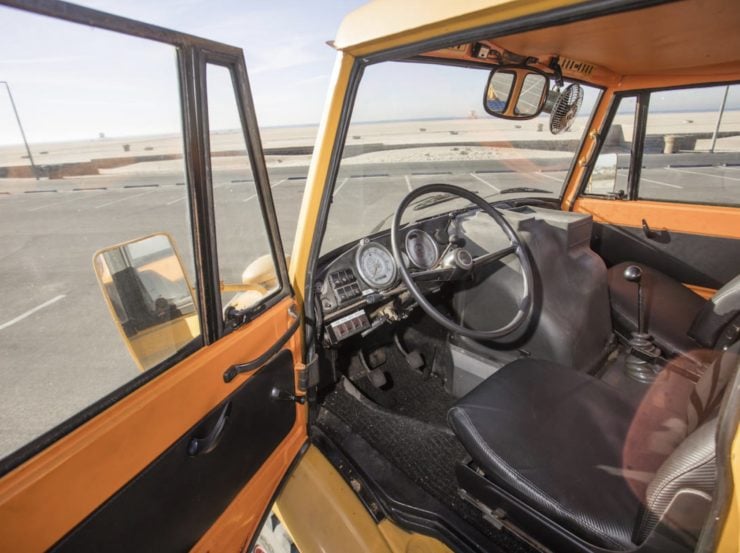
(422, 249)
(375, 265)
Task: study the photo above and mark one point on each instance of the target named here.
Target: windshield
(419, 123)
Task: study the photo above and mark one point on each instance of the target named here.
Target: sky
(71, 82)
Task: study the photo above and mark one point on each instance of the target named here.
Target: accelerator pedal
(414, 358)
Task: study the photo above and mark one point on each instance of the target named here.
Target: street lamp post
(20, 126)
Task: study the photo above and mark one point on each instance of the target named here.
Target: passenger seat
(680, 321)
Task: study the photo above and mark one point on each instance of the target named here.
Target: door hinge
(308, 374)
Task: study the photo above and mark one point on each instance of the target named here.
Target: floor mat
(426, 453)
(409, 392)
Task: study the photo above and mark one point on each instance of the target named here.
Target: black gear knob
(633, 273)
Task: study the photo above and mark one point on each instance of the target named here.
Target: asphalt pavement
(61, 351)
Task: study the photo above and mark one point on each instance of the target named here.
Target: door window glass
(610, 172)
(692, 146)
(101, 165)
(245, 258)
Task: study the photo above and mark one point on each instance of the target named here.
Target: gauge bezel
(364, 245)
(425, 235)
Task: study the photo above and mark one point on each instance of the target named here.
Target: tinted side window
(692, 146)
(105, 167)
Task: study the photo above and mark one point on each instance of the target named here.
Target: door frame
(94, 454)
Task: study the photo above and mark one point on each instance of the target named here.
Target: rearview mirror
(516, 92)
(149, 297)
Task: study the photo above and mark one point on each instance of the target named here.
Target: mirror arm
(555, 66)
(234, 317)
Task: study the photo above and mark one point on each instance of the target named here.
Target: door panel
(156, 512)
(696, 244)
(42, 500)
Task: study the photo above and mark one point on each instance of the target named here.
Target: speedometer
(375, 265)
(421, 249)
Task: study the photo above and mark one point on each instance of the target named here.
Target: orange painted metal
(44, 498)
(707, 220)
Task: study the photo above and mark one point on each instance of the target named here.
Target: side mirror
(516, 92)
(149, 297)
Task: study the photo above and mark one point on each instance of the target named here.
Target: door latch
(282, 395)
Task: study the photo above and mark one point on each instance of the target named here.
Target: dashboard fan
(565, 108)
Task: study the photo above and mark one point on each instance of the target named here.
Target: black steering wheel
(457, 263)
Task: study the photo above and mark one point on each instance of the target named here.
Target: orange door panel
(698, 245)
(47, 497)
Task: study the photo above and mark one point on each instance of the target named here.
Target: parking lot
(49, 231)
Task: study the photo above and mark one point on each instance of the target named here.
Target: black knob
(633, 273)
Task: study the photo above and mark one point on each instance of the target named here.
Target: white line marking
(341, 184)
(126, 198)
(177, 200)
(75, 198)
(497, 189)
(31, 311)
(661, 183)
(408, 182)
(540, 174)
(253, 196)
(703, 174)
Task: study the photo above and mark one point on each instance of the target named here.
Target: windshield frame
(344, 127)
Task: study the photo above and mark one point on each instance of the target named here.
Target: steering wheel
(457, 263)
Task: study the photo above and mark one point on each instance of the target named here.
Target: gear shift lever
(643, 351)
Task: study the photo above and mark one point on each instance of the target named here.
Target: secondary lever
(282, 395)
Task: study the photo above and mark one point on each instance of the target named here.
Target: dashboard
(360, 288)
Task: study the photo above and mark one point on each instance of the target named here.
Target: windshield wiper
(435, 200)
(523, 189)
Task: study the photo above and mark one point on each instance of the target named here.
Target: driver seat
(574, 451)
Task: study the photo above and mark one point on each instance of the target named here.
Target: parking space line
(669, 185)
(177, 200)
(496, 188)
(106, 204)
(703, 174)
(253, 196)
(541, 174)
(341, 184)
(30, 312)
(408, 182)
(68, 200)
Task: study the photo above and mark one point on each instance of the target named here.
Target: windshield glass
(419, 123)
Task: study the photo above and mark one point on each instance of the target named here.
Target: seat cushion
(671, 308)
(554, 437)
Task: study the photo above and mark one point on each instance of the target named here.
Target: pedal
(414, 358)
(377, 378)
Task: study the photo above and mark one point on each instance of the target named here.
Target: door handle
(646, 230)
(232, 372)
(206, 444)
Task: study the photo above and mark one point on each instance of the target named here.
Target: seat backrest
(717, 314)
(692, 465)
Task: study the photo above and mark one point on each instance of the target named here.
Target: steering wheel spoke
(441, 274)
(458, 263)
(494, 256)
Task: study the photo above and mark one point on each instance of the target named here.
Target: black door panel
(696, 259)
(174, 501)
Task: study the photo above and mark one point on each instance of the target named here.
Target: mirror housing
(149, 297)
(516, 92)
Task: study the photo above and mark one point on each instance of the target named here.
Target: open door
(156, 401)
